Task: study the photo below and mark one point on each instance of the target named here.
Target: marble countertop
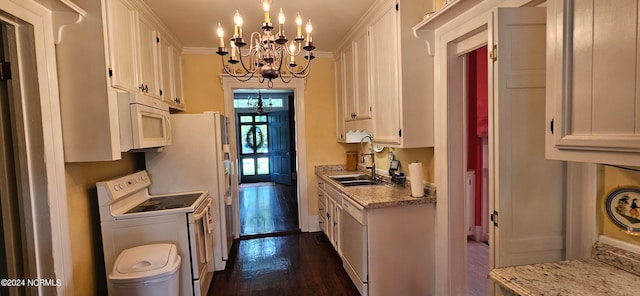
(374, 196)
(610, 271)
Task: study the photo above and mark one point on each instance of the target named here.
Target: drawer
(333, 193)
(355, 210)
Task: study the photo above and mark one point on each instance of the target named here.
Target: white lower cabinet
(385, 251)
(330, 213)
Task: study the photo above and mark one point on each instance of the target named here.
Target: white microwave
(144, 122)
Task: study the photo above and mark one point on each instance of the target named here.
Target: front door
(280, 147)
(528, 205)
(254, 148)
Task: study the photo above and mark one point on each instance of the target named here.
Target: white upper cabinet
(387, 83)
(149, 58)
(338, 67)
(385, 64)
(139, 61)
(113, 48)
(363, 95)
(401, 77)
(122, 19)
(176, 65)
(593, 102)
(171, 74)
(356, 79)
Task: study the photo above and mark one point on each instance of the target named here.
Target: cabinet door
(337, 218)
(383, 35)
(148, 48)
(122, 22)
(593, 102)
(363, 97)
(177, 78)
(349, 84)
(166, 70)
(330, 208)
(322, 210)
(339, 75)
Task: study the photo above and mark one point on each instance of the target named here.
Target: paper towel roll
(415, 178)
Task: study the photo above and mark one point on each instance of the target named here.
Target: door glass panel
(248, 167)
(246, 118)
(254, 149)
(263, 165)
(262, 145)
(247, 138)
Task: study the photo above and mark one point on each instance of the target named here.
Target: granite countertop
(374, 196)
(610, 271)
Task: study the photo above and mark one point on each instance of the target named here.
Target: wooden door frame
(47, 237)
(297, 85)
(450, 159)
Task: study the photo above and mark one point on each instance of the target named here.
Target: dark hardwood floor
(294, 264)
(267, 208)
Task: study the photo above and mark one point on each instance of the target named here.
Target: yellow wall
(406, 156)
(612, 178)
(202, 88)
(84, 220)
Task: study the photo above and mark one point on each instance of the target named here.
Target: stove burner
(165, 203)
(149, 203)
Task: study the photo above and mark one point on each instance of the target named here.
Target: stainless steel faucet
(370, 154)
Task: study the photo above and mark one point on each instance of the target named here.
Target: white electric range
(130, 216)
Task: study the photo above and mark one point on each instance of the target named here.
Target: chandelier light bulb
(292, 50)
(299, 25)
(281, 17)
(237, 28)
(220, 32)
(266, 5)
(309, 29)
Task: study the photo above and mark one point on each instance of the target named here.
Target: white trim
(58, 258)
(298, 86)
(314, 225)
(581, 210)
(620, 244)
(449, 169)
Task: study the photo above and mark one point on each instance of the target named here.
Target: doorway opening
(268, 201)
(11, 262)
(477, 177)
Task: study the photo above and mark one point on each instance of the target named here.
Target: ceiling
(194, 22)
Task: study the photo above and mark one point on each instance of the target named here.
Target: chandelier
(270, 54)
(260, 105)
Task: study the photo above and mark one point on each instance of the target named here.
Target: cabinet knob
(353, 115)
(177, 100)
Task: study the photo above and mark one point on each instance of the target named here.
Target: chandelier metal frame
(268, 51)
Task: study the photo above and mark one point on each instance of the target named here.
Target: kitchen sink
(355, 177)
(354, 180)
(359, 183)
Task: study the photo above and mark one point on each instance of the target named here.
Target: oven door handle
(205, 215)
